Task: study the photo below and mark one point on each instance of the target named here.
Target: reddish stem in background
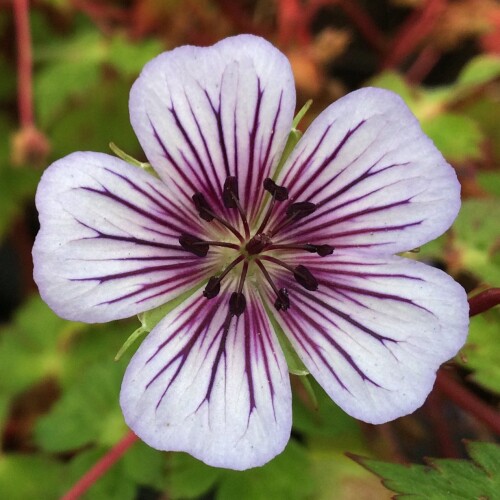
(101, 467)
(24, 63)
(484, 300)
(423, 64)
(360, 20)
(413, 31)
(292, 23)
(466, 400)
(364, 24)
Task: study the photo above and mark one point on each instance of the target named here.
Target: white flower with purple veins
(305, 247)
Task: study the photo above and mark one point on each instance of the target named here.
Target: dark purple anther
(204, 209)
(230, 192)
(321, 250)
(324, 250)
(213, 288)
(300, 210)
(237, 304)
(282, 303)
(279, 193)
(193, 244)
(304, 277)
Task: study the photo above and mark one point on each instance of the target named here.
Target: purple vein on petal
(251, 144)
(105, 193)
(319, 328)
(180, 171)
(181, 279)
(263, 169)
(172, 211)
(208, 188)
(324, 164)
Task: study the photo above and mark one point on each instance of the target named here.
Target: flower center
(254, 249)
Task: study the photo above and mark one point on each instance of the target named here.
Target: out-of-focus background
(59, 385)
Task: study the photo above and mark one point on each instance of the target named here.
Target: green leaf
(482, 352)
(285, 477)
(95, 119)
(16, 187)
(57, 83)
(129, 58)
(458, 137)
(444, 478)
(477, 240)
(390, 80)
(145, 466)
(326, 420)
(481, 69)
(88, 412)
(31, 348)
(190, 478)
(490, 181)
(29, 476)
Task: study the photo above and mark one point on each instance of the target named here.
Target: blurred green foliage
(59, 385)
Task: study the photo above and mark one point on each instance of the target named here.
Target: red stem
(484, 301)
(467, 401)
(413, 31)
(360, 20)
(24, 63)
(101, 467)
(423, 64)
(364, 24)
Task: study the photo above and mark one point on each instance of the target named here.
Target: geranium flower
(307, 248)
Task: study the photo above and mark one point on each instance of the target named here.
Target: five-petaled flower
(308, 248)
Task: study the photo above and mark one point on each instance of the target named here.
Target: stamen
(204, 209)
(206, 213)
(301, 209)
(282, 302)
(237, 304)
(279, 193)
(321, 250)
(295, 212)
(212, 288)
(193, 245)
(199, 247)
(231, 199)
(305, 278)
(230, 192)
(301, 274)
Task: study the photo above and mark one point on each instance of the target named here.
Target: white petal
(203, 114)
(220, 394)
(378, 181)
(108, 244)
(376, 330)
